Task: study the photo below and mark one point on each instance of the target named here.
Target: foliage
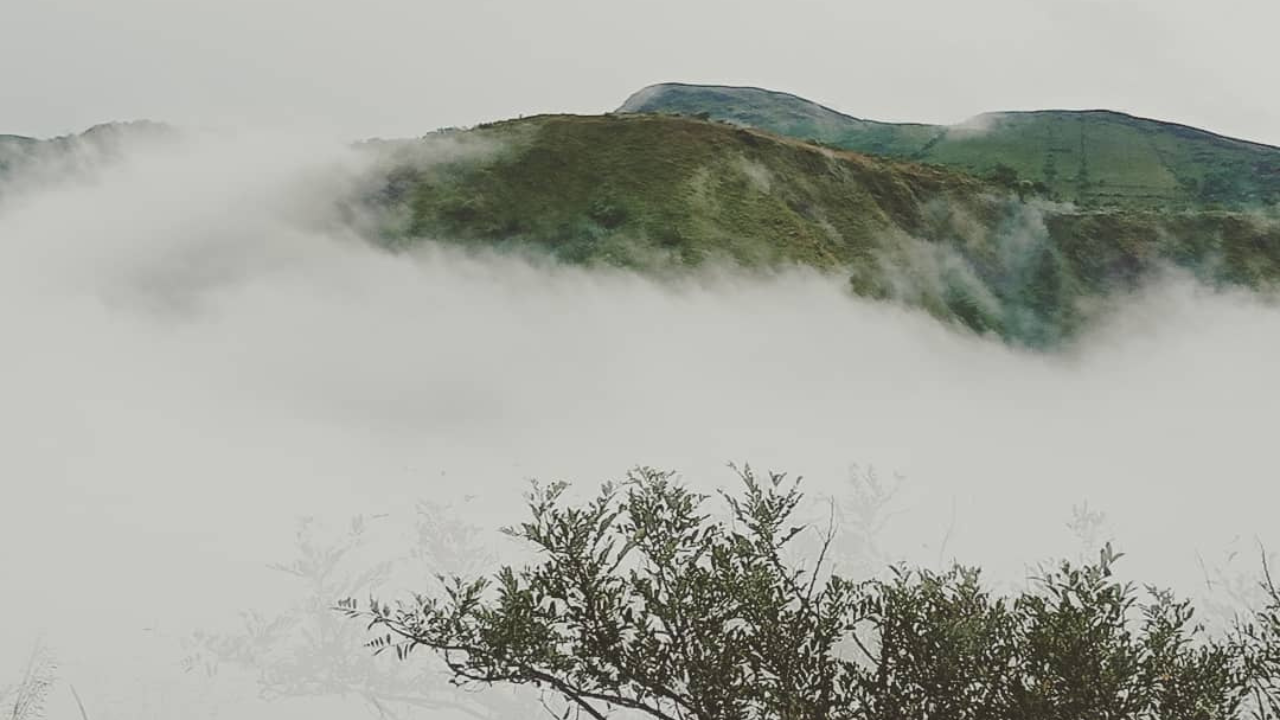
(644, 600)
(26, 699)
(642, 603)
(1258, 639)
(304, 650)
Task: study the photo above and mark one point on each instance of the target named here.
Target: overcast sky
(404, 67)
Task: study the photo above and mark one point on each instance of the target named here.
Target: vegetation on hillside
(989, 250)
(1093, 157)
(30, 161)
(644, 599)
(651, 191)
(659, 193)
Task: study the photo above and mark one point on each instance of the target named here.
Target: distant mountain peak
(652, 93)
(1091, 157)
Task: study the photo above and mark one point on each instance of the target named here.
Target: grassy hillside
(662, 193)
(783, 114)
(657, 192)
(1093, 157)
(650, 191)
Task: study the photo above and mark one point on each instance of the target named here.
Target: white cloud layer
(195, 354)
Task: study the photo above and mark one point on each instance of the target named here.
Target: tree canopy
(644, 599)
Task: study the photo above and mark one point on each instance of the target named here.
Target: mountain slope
(783, 114)
(38, 160)
(1092, 157)
(655, 193)
(663, 194)
(647, 191)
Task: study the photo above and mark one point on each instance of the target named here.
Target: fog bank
(197, 352)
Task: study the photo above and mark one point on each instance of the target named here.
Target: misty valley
(723, 405)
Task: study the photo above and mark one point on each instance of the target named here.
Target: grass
(651, 192)
(658, 193)
(967, 237)
(1093, 157)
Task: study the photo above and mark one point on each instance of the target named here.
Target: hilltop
(39, 159)
(1089, 157)
(652, 191)
(660, 193)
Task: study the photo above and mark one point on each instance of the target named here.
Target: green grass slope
(651, 191)
(783, 114)
(656, 193)
(1092, 157)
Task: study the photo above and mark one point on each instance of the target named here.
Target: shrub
(643, 600)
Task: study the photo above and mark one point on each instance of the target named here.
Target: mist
(199, 350)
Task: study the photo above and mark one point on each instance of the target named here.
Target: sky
(395, 68)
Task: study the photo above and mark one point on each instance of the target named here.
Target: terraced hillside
(661, 193)
(1091, 157)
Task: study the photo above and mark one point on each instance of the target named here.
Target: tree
(1257, 640)
(307, 651)
(644, 600)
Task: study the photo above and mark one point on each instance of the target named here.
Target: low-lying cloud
(198, 351)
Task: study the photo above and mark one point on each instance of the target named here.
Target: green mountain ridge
(660, 193)
(56, 156)
(1090, 157)
(665, 194)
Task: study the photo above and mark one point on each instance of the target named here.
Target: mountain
(15, 150)
(664, 194)
(1089, 157)
(655, 191)
(38, 160)
(660, 193)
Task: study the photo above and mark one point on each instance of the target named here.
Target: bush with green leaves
(644, 600)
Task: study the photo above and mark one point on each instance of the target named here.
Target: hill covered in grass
(656, 191)
(664, 194)
(1091, 157)
(659, 193)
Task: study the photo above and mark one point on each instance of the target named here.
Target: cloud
(976, 126)
(199, 349)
